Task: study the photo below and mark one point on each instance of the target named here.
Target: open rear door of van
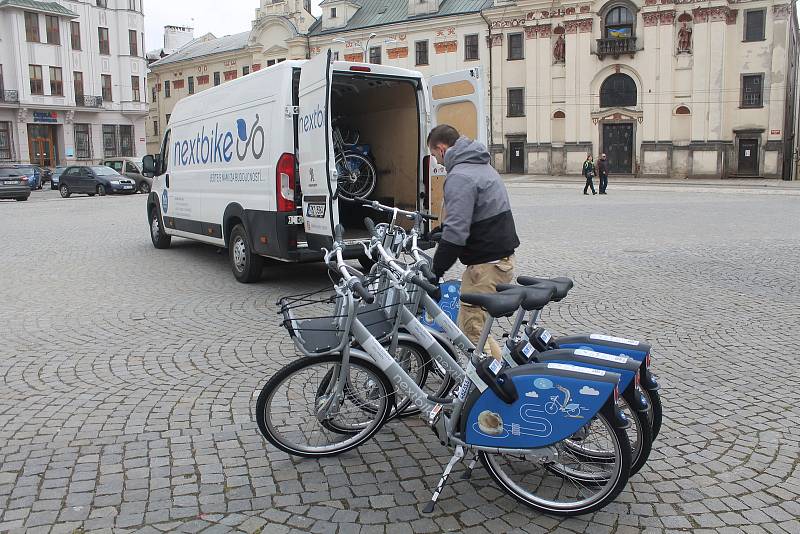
(315, 151)
(456, 99)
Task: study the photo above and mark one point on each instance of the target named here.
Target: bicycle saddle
(495, 304)
(534, 297)
(561, 284)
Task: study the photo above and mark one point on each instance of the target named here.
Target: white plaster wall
(704, 162)
(770, 162)
(655, 162)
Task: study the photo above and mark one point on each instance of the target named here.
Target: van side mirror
(149, 166)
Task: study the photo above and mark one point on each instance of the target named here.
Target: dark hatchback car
(14, 184)
(94, 180)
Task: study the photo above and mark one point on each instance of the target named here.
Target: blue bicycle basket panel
(549, 409)
(625, 376)
(449, 303)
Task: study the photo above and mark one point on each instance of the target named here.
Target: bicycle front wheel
(566, 490)
(300, 412)
(356, 176)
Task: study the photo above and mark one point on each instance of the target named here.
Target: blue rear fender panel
(627, 371)
(552, 405)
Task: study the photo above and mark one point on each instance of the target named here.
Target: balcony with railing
(86, 101)
(9, 97)
(616, 46)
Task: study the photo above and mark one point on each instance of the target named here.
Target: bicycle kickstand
(457, 456)
(467, 474)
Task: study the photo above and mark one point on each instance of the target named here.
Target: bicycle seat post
(487, 329)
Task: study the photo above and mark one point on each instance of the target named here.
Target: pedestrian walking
(588, 172)
(478, 226)
(602, 172)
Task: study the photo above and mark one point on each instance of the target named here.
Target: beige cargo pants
(483, 278)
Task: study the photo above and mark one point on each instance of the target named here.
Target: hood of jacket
(466, 151)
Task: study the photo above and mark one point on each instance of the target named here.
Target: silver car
(130, 168)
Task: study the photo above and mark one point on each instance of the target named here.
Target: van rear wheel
(246, 266)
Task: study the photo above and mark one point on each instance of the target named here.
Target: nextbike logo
(312, 121)
(217, 145)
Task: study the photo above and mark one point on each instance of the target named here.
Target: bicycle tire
(655, 411)
(268, 422)
(607, 492)
(640, 438)
(350, 188)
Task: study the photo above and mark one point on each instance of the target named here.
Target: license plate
(295, 219)
(127, 187)
(11, 182)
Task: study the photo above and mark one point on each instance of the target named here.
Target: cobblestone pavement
(129, 374)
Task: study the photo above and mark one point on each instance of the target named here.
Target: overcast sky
(220, 18)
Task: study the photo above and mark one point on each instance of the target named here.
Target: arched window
(682, 110)
(618, 90)
(619, 23)
(559, 115)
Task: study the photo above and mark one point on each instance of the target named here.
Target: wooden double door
(618, 147)
(42, 145)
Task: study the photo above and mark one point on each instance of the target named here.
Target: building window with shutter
(103, 41)
(155, 93)
(754, 24)
(191, 85)
(216, 79)
(752, 90)
(133, 43)
(516, 102)
(56, 82)
(5, 140)
(126, 140)
(166, 89)
(515, 46)
(75, 35)
(77, 85)
(471, 47)
(421, 52)
(137, 97)
(245, 71)
(333, 12)
(37, 83)
(109, 140)
(53, 31)
(155, 127)
(82, 138)
(32, 27)
(107, 96)
(375, 55)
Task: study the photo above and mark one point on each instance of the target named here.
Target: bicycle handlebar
(362, 292)
(370, 224)
(413, 215)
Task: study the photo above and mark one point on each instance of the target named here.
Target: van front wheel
(246, 266)
(160, 238)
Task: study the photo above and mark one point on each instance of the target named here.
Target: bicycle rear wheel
(654, 411)
(565, 490)
(291, 413)
(357, 176)
(425, 372)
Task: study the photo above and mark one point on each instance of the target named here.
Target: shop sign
(45, 116)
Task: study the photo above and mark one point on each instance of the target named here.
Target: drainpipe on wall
(308, 46)
(491, 107)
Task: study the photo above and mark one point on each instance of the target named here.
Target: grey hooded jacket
(478, 225)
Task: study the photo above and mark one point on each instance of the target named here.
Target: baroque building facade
(72, 81)
(663, 87)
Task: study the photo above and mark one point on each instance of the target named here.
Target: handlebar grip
(428, 217)
(428, 273)
(365, 295)
(338, 233)
(370, 226)
(433, 290)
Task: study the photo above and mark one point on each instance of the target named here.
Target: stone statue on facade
(685, 39)
(559, 50)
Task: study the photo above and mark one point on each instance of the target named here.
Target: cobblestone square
(128, 375)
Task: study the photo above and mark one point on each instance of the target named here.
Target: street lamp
(364, 48)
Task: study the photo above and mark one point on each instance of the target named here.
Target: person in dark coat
(588, 172)
(602, 172)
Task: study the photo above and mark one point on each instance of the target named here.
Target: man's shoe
(594, 193)
(585, 193)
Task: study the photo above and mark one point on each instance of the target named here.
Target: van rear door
(456, 98)
(315, 151)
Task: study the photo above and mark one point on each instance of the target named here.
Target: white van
(249, 165)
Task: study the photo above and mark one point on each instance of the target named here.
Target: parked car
(131, 168)
(94, 180)
(56, 175)
(13, 184)
(31, 172)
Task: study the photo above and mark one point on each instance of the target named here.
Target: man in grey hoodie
(478, 227)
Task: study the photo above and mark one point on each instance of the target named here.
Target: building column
(497, 100)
